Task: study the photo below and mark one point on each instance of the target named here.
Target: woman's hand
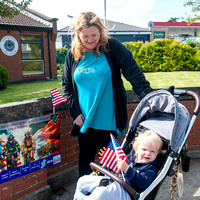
(79, 120)
(122, 165)
(101, 152)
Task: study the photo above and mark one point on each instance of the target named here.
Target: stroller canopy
(161, 112)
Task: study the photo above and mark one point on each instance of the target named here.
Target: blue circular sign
(9, 45)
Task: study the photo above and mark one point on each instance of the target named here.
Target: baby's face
(146, 152)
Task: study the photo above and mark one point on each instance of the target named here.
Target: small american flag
(56, 97)
(111, 154)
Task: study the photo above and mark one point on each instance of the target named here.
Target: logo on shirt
(86, 70)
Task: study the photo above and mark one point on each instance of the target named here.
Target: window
(32, 56)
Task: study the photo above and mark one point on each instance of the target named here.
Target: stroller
(160, 112)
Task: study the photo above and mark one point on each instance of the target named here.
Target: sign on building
(159, 34)
(9, 45)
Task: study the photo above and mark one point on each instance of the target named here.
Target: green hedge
(165, 55)
(61, 54)
(3, 78)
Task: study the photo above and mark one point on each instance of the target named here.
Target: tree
(195, 4)
(173, 19)
(10, 8)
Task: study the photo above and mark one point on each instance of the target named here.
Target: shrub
(3, 78)
(133, 47)
(61, 54)
(60, 69)
(165, 55)
(193, 44)
(197, 60)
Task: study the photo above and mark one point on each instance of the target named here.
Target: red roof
(167, 24)
(22, 20)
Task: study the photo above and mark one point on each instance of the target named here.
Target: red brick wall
(69, 156)
(194, 136)
(13, 64)
(24, 185)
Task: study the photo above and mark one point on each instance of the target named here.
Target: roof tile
(23, 20)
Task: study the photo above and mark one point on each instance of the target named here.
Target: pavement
(191, 185)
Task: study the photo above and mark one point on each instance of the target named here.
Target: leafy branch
(195, 4)
(10, 8)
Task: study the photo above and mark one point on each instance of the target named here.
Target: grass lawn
(20, 92)
(167, 79)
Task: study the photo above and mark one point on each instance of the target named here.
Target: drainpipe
(49, 50)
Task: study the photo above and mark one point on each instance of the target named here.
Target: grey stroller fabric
(161, 112)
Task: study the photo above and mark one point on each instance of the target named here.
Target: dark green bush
(3, 78)
(61, 54)
(165, 55)
(60, 69)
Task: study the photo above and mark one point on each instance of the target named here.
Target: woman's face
(89, 37)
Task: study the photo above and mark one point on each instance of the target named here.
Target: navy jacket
(119, 60)
(140, 175)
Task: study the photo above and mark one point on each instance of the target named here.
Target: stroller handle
(181, 92)
(127, 187)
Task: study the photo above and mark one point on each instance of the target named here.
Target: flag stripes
(111, 154)
(56, 97)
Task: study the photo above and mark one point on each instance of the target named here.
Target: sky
(133, 12)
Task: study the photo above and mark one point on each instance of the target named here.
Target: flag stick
(54, 109)
(117, 155)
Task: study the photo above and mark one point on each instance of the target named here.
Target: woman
(92, 84)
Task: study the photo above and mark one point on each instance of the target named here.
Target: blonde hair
(148, 136)
(86, 20)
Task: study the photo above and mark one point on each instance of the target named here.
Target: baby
(140, 170)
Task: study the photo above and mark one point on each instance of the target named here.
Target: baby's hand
(101, 152)
(122, 165)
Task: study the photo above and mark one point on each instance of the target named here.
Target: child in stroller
(160, 112)
(140, 170)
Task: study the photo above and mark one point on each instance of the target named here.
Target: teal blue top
(94, 84)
